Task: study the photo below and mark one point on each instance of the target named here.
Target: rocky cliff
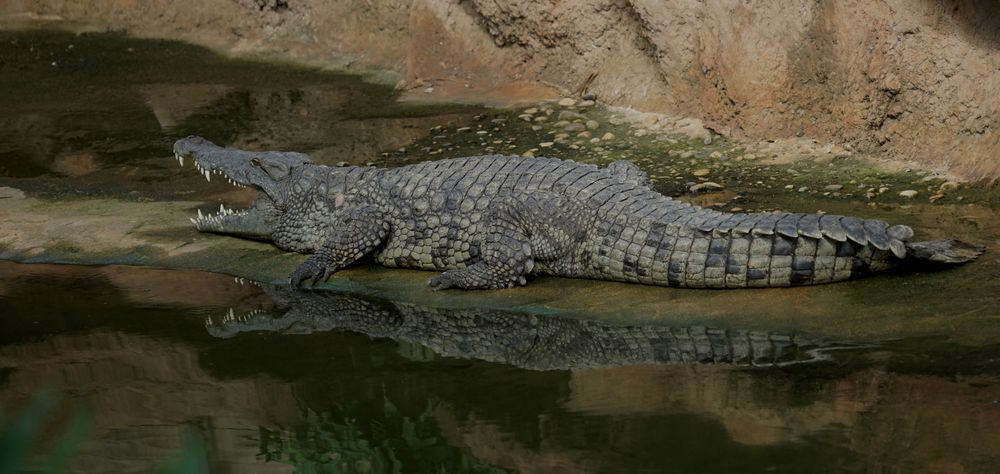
(911, 79)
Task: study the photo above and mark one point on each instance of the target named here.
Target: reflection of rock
(144, 393)
(172, 103)
(729, 396)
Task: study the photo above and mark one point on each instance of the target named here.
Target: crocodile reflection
(524, 340)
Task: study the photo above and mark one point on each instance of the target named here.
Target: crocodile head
(281, 180)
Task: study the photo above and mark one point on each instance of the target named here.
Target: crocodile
(528, 341)
(489, 222)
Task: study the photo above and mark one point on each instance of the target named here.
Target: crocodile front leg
(360, 230)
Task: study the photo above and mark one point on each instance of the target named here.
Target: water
(897, 373)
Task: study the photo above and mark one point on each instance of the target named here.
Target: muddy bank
(911, 80)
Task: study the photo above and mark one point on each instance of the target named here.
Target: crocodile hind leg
(521, 230)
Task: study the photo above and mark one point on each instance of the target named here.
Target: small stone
(715, 154)
(703, 186)
(525, 117)
(909, 193)
(481, 132)
(948, 185)
(583, 134)
(736, 209)
(687, 154)
(833, 187)
(592, 124)
(531, 111)
(585, 103)
(589, 96)
(936, 197)
(883, 189)
(803, 189)
(574, 127)
(789, 186)
(541, 119)
(567, 102)
(528, 154)
(608, 136)
(429, 90)
(595, 140)
(536, 127)
(701, 172)
(7, 192)
(546, 144)
(463, 129)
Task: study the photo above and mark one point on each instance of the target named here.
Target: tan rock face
(913, 79)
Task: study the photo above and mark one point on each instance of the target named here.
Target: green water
(90, 119)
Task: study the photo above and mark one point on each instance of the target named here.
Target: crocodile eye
(255, 162)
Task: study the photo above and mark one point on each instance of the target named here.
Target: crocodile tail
(942, 252)
(711, 249)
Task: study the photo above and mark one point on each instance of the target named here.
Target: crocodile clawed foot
(310, 270)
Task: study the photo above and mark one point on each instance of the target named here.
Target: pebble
(546, 144)
(586, 103)
(592, 124)
(687, 154)
(608, 136)
(909, 193)
(541, 118)
(937, 196)
(703, 186)
(531, 111)
(716, 154)
(536, 127)
(583, 134)
(589, 96)
(567, 102)
(833, 187)
(574, 127)
(803, 189)
(463, 129)
(11, 193)
(701, 172)
(948, 185)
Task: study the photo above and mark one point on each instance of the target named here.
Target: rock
(687, 154)
(789, 186)
(585, 103)
(429, 90)
(541, 118)
(608, 136)
(546, 144)
(528, 154)
(715, 154)
(536, 128)
(592, 124)
(583, 134)
(803, 189)
(569, 115)
(525, 117)
(574, 127)
(833, 187)
(948, 186)
(909, 193)
(7, 192)
(589, 96)
(531, 111)
(463, 129)
(706, 185)
(702, 172)
(567, 102)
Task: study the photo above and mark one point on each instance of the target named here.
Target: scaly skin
(491, 221)
(523, 340)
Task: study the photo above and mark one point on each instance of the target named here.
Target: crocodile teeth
(208, 176)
